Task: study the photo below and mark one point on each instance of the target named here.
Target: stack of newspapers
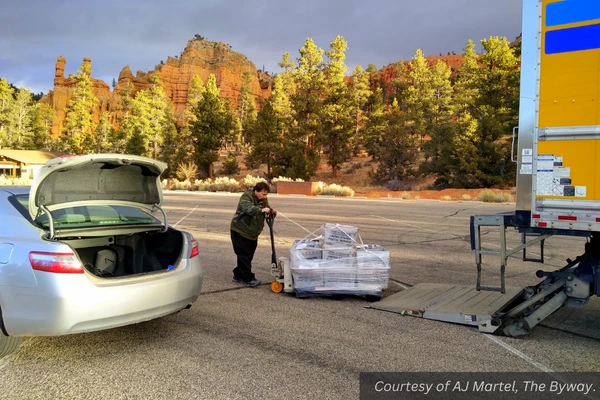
(333, 260)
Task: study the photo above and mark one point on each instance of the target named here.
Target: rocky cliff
(200, 57)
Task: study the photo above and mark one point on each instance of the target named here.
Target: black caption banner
(479, 385)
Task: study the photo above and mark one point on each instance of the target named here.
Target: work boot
(252, 283)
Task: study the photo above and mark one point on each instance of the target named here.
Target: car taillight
(195, 250)
(63, 263)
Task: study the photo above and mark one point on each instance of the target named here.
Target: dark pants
(244, 250)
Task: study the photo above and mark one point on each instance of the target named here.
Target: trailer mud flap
(451, 303)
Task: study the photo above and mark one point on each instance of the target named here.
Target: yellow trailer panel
(568, 103)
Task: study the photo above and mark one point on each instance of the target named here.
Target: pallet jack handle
(270, 218)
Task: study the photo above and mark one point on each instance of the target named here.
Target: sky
(141, 33)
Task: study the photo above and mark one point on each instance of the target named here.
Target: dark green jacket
(249, 220)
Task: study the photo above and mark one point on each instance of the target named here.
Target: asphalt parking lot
(244, 343)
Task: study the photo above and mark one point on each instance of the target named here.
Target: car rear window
(90, 216)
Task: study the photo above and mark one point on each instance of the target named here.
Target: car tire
(8, 344)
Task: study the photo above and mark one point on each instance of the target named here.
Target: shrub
(333, 190)
(250, 181)
(231, 165)
(405, 196)
(446, 198)
(221, 184)
(505, 197)
(396, 185)
(354, 167)
(187, 171)
(8, 181)
(465, 197)
(489, 196)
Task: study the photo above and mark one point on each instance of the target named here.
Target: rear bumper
(62, 304)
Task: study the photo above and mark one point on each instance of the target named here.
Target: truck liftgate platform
(451, 303)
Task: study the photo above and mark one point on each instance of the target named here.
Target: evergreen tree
(307, 103)
(419, 95)
(22, 129)
(497, 109)
(158, 115)
(181, 143)
(213, 122)
(266, 138)
(359, 94)
(280, 101)
(376, 126)
(136, 125)
(6, 111)
(143, 126)
(43, 119)
(101, 141)
(246, 110)
(337, 124)
(231, 165)
(195, 93)
(441, 104)
(175, 150)
(398, 152)
(79, 126)
(453, 152)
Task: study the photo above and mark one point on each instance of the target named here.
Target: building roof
(30, 156)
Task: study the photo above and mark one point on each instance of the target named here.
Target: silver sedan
(82, 250)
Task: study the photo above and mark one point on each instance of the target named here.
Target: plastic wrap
(333, 260)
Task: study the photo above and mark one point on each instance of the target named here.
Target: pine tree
(337, 124)
(136, 125)
(174, 149)
(398, 152)
(266, 138)
(213, 122)
(280, 101)
(419, 95)
(195, 93)
(22, 130)
(158, 115)
(307, 104)
(441, 104)
(43, 119)
(376, 126)
(101, 141)
(6, 112)
(359, 94)
(79, 126)
(246, 110)
(497, 109)
(143, 124)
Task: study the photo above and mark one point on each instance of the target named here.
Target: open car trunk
(129, 255)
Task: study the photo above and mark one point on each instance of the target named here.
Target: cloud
(139, 34)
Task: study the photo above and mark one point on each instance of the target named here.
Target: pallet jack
(280, 269)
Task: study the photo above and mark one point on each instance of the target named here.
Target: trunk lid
(109, 179)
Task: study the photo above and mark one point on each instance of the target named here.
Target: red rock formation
(63, 90)
(200, 57)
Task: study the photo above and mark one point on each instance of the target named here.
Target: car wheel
(8, 344)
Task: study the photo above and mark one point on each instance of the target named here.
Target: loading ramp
(458, 304)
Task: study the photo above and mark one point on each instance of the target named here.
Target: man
(246, 225)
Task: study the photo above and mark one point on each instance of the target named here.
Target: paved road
(246, 343)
